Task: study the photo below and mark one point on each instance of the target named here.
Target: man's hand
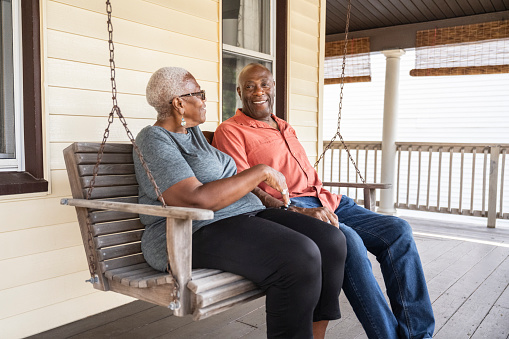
(322, 213)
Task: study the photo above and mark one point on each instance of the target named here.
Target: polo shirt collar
(242, 119)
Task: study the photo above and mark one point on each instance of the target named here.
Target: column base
(387, 211)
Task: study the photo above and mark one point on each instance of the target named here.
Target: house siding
(306, 20)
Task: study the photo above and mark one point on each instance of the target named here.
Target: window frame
(31, 179)
(278, 53)
(16, 163)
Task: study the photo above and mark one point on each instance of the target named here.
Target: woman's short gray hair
(165, 84)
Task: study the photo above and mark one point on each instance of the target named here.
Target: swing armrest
(369, 191)
(168, 212)
(357, 185)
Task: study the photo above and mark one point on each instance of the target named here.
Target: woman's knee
(335, 247)
(302, 260)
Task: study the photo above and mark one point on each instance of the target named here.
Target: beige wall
(306, 36)
(41, 254)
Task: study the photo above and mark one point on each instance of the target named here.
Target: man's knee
(402, 226)
(353, 240)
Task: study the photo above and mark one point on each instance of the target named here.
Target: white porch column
(389, 129)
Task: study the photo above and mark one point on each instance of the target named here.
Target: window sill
(20, 183)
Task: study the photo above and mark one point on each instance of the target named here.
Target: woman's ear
(178, 105)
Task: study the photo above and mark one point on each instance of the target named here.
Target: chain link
(116, 110)
(342, 82)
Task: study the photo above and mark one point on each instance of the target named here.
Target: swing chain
(342, 84)
(175, 304)
(116, 109)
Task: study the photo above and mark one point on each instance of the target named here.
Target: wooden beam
(403, 36)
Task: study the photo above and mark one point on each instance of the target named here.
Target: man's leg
(360, 285)
(390, 240)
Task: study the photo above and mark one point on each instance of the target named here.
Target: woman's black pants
(296, 259)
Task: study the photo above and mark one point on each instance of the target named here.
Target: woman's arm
(218, 194)
(321, 213)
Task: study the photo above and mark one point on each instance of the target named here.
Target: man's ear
(239, 92)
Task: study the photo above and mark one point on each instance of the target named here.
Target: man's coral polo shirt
(251, 142)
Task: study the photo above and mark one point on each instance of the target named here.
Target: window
(11, 142)
(21, 151)
(248, 36)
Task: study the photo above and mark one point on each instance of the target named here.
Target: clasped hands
(277, 181)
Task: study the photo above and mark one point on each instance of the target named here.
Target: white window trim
(17, 164)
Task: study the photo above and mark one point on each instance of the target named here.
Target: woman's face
(194, 107)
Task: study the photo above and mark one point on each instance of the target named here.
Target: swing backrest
(113, 241)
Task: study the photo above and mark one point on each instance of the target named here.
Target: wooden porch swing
(108, 216)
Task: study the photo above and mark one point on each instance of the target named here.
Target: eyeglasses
(200, 94)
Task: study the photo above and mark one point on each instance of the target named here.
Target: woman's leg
(284, 263)
(332, 245)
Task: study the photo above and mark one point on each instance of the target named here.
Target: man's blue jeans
(390, 239)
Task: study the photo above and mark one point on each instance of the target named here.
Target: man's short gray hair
(165, 84)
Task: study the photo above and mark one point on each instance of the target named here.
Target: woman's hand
(277, 181)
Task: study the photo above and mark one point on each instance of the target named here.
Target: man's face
(256, 90)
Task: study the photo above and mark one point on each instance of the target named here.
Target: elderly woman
(297, 260)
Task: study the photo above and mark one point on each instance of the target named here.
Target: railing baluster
(356, 176)
(419, 177)
(398, 177)
(451, 152)
(408, 177)
(348, 176)
(474, 155)
(323, 166)
(339, 162)
(331, 162)
(428, 189)
(439, 177)
(376, 163)
(502, 170)
(461, 179)
(484, 172)
(493, 185)
(366, 162)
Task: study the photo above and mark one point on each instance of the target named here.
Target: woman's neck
(171, 125)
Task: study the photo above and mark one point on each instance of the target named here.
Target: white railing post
(493, 184)
(389, 129)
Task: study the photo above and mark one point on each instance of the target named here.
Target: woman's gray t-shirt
(171, 158)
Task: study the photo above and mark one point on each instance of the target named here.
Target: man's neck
(269, 120)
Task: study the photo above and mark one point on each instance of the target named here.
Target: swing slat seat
(111, 232)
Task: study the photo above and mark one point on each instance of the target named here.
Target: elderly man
(256, 136)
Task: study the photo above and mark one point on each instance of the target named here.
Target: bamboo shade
(471, 49)
(357, 66)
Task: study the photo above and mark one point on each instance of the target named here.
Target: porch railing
(463, 179)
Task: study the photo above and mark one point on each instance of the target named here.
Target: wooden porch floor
(466, 267)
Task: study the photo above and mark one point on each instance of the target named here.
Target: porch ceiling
(371, 14)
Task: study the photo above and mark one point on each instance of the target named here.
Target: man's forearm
(267, 199)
